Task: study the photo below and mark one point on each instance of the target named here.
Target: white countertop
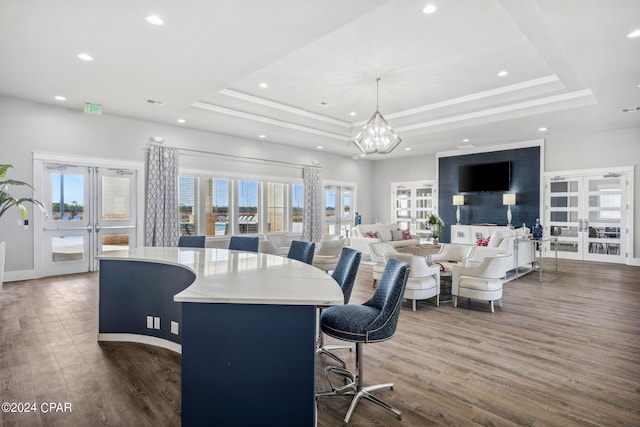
(242, 277)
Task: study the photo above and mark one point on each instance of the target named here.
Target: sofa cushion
(397, 235)
(496, 237)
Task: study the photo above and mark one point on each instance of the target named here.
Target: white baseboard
(14, 276)
(143, 339)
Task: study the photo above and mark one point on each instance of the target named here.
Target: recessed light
(182, 121)
(407, 148)
(326, 104)
(262, 136)
(633, 34)
(264, 85)
(353, 113)
(85, 57)
(465, 140)
(543, 129)
(319, 147)
(155, 20)
(503, 73)
(60, 98)
(429, 9)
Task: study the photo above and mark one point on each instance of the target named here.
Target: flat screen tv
(484, 177)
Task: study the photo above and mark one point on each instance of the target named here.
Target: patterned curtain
(162, 220)
(312, 218)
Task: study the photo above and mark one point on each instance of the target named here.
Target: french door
(338, 211)
(589, 214)
(92, 211)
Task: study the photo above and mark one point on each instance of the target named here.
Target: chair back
(192, 241)
(346, 270)
(388, 299)
(418, 264)
(330, 247)
(302, 251)
(280, 239)
(243, 243)
(269, 247)
(377, 251)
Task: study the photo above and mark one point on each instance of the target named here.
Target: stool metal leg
(354, 386)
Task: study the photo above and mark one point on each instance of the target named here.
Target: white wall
(27, 127)
(620, 147)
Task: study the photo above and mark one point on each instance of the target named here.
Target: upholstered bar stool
(373, 321)
(344, 273)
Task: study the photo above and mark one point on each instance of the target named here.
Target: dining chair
(302, 251)
(192, 241)
(244, 243)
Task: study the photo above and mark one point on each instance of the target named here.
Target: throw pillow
(397, 234)
(370, 234)
(379, 236)
(482, 242)
(406, 234)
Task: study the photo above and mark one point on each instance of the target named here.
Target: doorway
(589, 213)
(92, 211)
(338, 211)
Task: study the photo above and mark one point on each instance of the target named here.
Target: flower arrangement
(436, 223)
(7, 201)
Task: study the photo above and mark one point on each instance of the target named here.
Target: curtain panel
(162, 219)
(312, 218)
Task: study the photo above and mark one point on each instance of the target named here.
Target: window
(297, 207)
(248, 206)
(275, 207)
(188, 205)
(217, 207)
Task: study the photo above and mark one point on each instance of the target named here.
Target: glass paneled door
(92, 211)
(338, 211)
(412, 202)
(588, 214)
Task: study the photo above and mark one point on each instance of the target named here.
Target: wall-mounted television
(484, 177)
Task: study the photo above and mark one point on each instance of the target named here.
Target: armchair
(377, 252)
(483, 282)
(451, 254)
(327, 254)
(424, 280)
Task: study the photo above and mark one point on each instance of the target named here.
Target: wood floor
(565, 352)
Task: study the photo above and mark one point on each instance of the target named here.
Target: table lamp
(509, 199)
(458, 200)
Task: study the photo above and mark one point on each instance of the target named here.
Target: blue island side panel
(248, 365)
(132, 290)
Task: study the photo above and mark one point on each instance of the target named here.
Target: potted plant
(436, 223)
(7, 201)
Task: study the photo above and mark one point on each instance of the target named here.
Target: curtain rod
(235, 157)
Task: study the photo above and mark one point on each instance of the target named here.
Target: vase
(537, 229)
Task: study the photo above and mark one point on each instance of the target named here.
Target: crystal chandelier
(377, 136)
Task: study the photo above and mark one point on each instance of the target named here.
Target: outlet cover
(149, 322)
(156, 323)
(175, 327)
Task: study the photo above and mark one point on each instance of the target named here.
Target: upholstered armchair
(280, 239)
(451, 254)
(377, 251)
(327, 254)
(269, 247)
(424, 280)
(482, 282)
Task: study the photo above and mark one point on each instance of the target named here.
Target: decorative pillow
(370, 234)
(379, 235)
(397, 234)
(482, 242)
(406, 234)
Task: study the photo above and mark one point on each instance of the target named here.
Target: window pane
(67, 197)
(115, 198)
(217, 207)
(248, 217)
(297, 207)
(275, 207)
(188, 201)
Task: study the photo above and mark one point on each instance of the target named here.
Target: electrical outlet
(149, 322)
(156, 323)
(175, 327)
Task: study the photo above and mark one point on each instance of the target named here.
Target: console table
(244, 322)
(538, 249)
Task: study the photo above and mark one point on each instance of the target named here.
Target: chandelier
(377, 136)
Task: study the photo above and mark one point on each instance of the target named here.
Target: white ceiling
(571, 66)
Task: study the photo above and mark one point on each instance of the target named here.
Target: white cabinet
(460, 234)
(467, 234)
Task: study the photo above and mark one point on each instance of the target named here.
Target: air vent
(154, 102)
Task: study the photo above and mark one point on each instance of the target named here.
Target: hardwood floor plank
(564, 352)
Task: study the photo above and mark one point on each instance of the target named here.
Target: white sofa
(389, 233)
(505, 242)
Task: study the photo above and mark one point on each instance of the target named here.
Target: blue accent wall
(487, 207)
